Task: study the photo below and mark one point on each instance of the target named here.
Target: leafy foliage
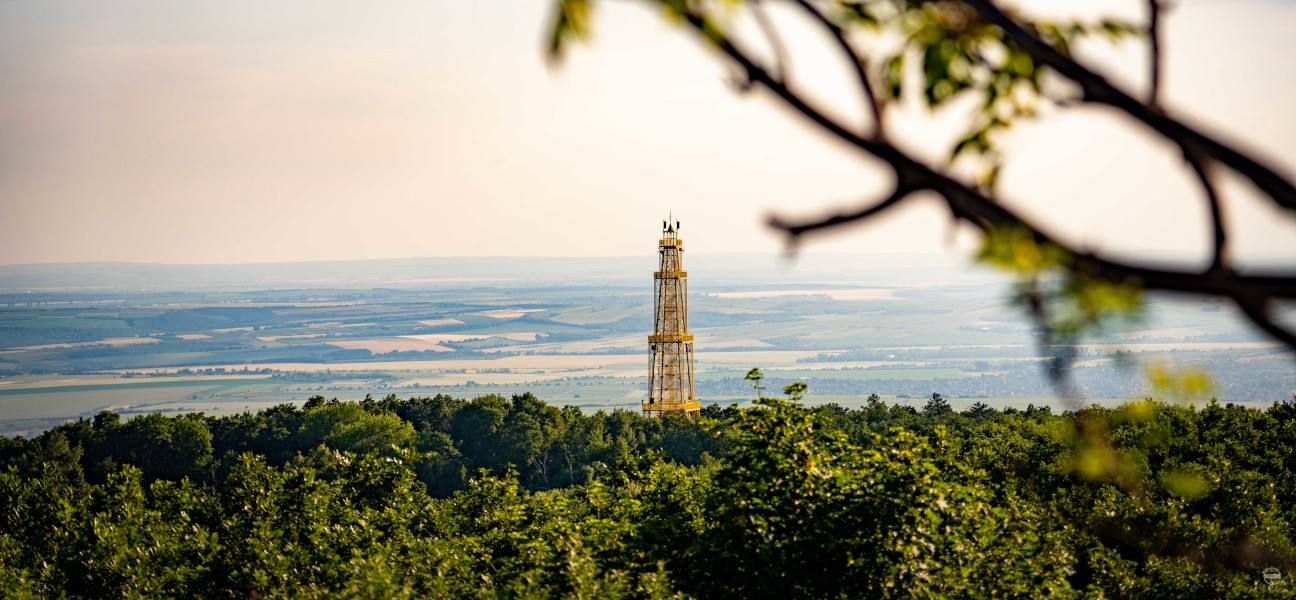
(779, 501)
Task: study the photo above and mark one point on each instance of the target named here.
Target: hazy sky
(239, 131)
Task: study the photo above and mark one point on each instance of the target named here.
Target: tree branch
(795, 230)
(1154, 43)
(987, 214)
(1098, 90)
(1220, 237)
(856, 59)
(771, 34)
(1258, 312)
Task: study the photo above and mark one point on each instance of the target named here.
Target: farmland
(140, 338)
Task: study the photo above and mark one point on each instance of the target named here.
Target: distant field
(391, 345)
(503, 362)
(440, 322)
(581, 346)
(704, 360)
(852, 374)
(508, 313)
(588, 315)
(271, 338)
(839, 294)
(103, 342)
(524, 336)
(73, 403)
(706, 341)
(568, 330)
(132, 384)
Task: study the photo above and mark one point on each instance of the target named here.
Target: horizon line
(778, 254)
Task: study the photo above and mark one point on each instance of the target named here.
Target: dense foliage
(508, 497)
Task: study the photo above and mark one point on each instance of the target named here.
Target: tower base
(688, 409)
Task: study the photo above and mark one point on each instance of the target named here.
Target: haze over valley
(76, 339)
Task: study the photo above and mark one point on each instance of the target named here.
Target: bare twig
(1154, 42)
(796, 230)
(1058, 349)
(1258, 312)
(857, 61)
(1098, 90)
(781, 60)
(1219, 235)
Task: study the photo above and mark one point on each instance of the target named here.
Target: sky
(248, 131)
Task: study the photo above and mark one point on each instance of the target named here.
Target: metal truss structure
(670, 374)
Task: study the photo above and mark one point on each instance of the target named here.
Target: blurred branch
(795, 230)
(983, 212)
(1098, 90)
(771, 34)
(1258, 311)
(857, 61)
(1050, 342)
(1220, 236)
(1154, 43)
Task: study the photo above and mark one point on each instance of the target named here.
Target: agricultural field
(573, 334)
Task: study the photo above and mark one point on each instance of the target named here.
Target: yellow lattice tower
(670, 376)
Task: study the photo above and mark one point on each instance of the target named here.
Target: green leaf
(860, 12)
(572, 22)
(1184, 484)
(895, 75)
(1014, 247)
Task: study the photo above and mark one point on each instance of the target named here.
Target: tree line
(509, 497)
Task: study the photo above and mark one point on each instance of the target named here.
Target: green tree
(583, 444)
(164, 447)
(799, 512)
(532, 428)
(980, 410)
(430, 414)
(937, 406)
(348, 427)
(477, 427)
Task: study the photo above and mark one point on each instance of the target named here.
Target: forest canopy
(508, 497)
